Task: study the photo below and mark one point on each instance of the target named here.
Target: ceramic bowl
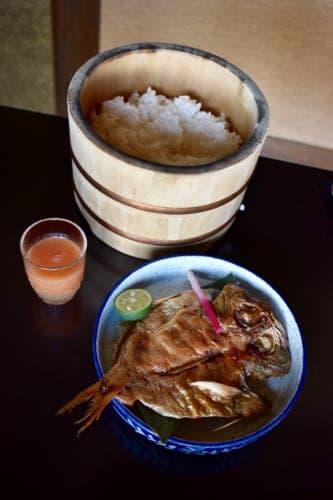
(199, 436)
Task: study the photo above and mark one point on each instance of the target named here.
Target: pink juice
(55, 268)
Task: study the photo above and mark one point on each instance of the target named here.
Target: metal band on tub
(154, 208)
(150, 241)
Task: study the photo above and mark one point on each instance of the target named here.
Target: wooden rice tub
(147, 209)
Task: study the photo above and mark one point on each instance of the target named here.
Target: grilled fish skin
(176, 346)
(215, 388)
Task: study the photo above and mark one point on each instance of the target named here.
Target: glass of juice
(54, 254)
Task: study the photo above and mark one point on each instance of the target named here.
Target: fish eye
(248, 315)
(266, 344)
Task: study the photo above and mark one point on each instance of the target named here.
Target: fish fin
(99, 394)
(83, 396)
(156, 302)
(234, 402)
(216, 390)
(94, 411)
(228, 424)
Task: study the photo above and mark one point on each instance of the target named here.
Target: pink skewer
(204, 302)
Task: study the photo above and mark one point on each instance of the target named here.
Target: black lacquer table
(285, 235)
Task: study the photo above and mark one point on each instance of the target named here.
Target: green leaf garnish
(219, 284)
(163, 426)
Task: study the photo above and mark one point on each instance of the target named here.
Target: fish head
(269, 350)
(264, 338)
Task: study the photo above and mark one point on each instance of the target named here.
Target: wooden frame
(75, 25)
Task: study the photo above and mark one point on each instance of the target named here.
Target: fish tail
(98, 394)
(83, 396)
(94, 411)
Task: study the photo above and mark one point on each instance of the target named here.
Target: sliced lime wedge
(133, 304)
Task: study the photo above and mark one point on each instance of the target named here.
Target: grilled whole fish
(174, 362)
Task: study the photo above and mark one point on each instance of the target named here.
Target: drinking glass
(54, 255)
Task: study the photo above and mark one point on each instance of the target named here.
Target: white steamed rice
(169, 131)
